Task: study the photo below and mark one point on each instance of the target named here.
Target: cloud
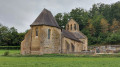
(21, 13)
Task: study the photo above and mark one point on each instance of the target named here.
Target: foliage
(100, 23)
(9, 47)
(6, 53)
(113, 38)
(10, 36)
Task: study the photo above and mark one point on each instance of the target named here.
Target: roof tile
(45, 18)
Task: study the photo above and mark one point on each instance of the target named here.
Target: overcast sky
(21, 13)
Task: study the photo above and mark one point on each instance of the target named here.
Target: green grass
(56, 61)
(10, 51)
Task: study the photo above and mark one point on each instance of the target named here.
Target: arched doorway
(67, 46)
(72, 47)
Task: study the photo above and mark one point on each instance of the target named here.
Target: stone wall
(41, 44)
(26, 44)
(69, 45)
(70, 24)
(85, 43)
(105, 49)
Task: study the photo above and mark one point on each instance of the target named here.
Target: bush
(114, 38)
(6, 53)
(9, 47)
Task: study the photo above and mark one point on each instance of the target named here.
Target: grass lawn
(10, 51)
(57, 61)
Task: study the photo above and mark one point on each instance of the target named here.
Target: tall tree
(59, 18)
(4, 33)
(104, 25)
(115, 10)
(80, 16)
(115, 26)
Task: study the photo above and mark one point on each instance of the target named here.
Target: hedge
(9, 47)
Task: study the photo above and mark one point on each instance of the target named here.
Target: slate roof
(79, 35)
(45, 18)
(69, 35)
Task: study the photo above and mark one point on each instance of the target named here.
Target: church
(47, 37)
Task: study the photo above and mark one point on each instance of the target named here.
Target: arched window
(75, 26)
(71, 26)
(36, 31)
(73, 47)
(67, 46)
(68, 27)
(49, 31)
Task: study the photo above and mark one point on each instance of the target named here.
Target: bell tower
(72, 26)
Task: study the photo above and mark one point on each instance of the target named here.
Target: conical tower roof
(45, 18)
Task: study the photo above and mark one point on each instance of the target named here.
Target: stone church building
(46, 37)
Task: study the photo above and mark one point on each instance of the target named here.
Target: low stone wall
(105, 49)
(82, 53)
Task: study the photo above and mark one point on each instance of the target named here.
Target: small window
(36, 31)
(67, 27)
(71, 26)
(73, 47)
(49, 31)
(75, 26)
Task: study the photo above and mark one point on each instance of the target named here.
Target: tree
(104, 25)
(80, 16)
(10, 36)
(114, 38)
(59, 18)
(115, 10)
(62, 19)
(97, 23)
(13, 35)
(65, 20)
(115, 26)
(90, 27)
(93, 10)
(4, 33)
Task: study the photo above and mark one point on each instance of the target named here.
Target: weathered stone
(46, 39)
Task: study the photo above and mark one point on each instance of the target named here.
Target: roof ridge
(45, 18)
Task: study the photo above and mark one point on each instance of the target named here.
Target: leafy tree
(115, 10)
(90, 27)
(59, 18)
(10, 36)
(99, 23)
(114, 38)
(80, 16)
(115, 26)
(13, 34)
(4, 35)
(104, 25)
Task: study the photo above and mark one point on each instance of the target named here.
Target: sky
(21, 13)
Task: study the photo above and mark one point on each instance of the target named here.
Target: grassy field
(56, 61)
(10, 51)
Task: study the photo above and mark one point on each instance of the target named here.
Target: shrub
(6, 53)
(9, 47)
